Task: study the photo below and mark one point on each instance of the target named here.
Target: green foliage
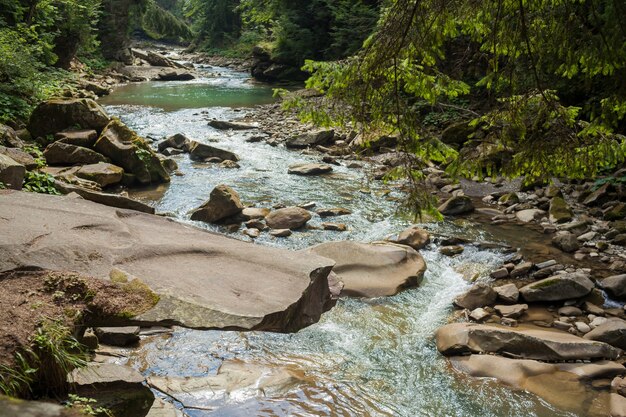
(87, 406)
(3, 186)
(39, 182)
(35, 152)
(161, 24)
(16, 381)
(546, 81)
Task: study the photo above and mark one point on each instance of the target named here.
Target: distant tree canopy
(293, 30)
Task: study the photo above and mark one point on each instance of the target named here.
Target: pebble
(582, 327)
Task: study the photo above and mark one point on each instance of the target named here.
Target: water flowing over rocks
(203, 280)
(373, 270)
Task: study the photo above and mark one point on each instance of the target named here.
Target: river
(365, 357)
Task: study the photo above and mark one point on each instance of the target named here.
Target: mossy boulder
(509, 199)
(56, 115)
(131, 152)
(617, 212)
(560, 212)
(558, 287)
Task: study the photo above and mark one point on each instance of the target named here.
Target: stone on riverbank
(117, 388)
(457, 205)
(59, 153)
(11, 173)
(223, 203)
(373, 270)
(545, 345)
(613, 332)
(566, 241)
(224, 125)
(414, 236)
(57, 115)
(102, 173)
(200, 152)
(111, 200)
(615, 286)
(118, 336)
(560, 212)
(19, 156)
(318, 137)
(9, 138)
(558, 287)
(480, 295)
(84, 137)
(132, 153)
(204, 280)
(288, 218)
(177, 141)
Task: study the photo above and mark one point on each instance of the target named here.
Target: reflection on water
(365, 357)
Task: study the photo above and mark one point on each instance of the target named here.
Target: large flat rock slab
(204, 280)
(547, 345)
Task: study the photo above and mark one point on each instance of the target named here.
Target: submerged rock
(203, 280)
(57, 115)
(310, 169)
(373, 270)
(224, 202)
(546, 345)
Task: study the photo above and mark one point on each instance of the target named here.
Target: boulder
(102, 173)
(544, 345)
(9, 138)
(19, 156)
(480, 295)
(132, 153)
(175, 75)
(613, 332)
(117, 388)
(56, 115)
(85, 137)
(558, 287)
(250, 213)
(599, 196)
(59, 153)
(508, 293)
(615, 286)
(373, 270)
(617, 212)
(415, 237)
(203, 280)
(118, 336)
(288, 218)
(318, 137)
(154, 59)
(177, 141)
(224, 125)
(11, 173)
(566, 241)
(309, 169)
(457, 205)
(559, 211)
(223, 203)
(529, 215)
(199, 152)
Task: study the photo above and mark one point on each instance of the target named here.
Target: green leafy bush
(39, 182)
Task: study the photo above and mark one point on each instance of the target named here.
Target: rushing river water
(365, 357)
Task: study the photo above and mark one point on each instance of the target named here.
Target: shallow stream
(365, 357)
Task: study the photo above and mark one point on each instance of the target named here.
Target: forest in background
(540, 86)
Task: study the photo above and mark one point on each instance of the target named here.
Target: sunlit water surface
(365, 357)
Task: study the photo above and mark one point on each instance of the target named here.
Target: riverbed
(365, 357)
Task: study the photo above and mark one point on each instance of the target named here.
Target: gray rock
(451, 250)
(456, 205)
(508, 293)
(177, 141)
(200, 152)
(59, 153)
(566, 241)
(330, 212)
(57, 115)
(615, 286)
(224, 125)
(570, 311)
(499, 273)
(19, 156)
(511, 311)
(117, 388)
(479, 314)
(613, 332)
(84, 137)
(318, 137)
(558, 287)
(223, 203)
(560, 212)
(9, 138)
(521, 269)
(310, 169)
(529, 215)
(480, 295)
(118, 336)
(281, 233)
(414, 236)
(288, 218)
(11, 173)
(373, 270)
(103, 173)
(546, 345)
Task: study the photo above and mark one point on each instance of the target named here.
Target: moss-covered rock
(560, 212)
(131, 152)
